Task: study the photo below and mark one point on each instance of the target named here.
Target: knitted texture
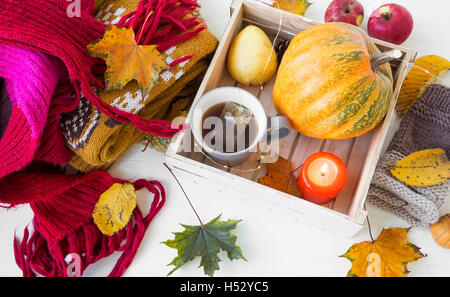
(105, 143)
(45, 26)
(63, 224)
(97, 139)
(29, 80)
(44, 70)
(425, 126)
(5, 107)
(44, 73)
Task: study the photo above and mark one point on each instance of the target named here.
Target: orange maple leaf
(388, 255)
(279, 176)
(126, 60)
(294, 6)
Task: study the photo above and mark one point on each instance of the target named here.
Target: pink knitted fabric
(30, 78)
(44, 25)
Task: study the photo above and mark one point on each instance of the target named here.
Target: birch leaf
(423, 168)
(294, 6)
(387, 256)
(425, 71)
(126, 60)
(114, 208)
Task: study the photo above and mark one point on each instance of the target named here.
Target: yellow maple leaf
(114, 207)
(387, 256)
(294, 6)
(425, 71)
(279, 176)
(423, 168)
(126, 60)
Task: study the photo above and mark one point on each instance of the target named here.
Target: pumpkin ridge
(441, 231)
(366, 113)
(349, 57)
(331, 120)
(331, 111)
(379, 108)
(352, 108)
(355, 87)
(326, 85)
(341, 40)
(353, 65)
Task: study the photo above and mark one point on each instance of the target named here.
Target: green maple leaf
(206, 242)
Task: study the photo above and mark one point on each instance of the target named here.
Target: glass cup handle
(277, 128)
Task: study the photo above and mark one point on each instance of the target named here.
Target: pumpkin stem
(378, 60)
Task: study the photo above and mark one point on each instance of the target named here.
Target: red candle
(322, 177)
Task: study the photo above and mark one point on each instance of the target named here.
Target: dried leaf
(206, 242)
(279, 176)
(126, 60)
(423, 168)
(425, 71)
(294, 6)
(114, 207)
(387, 256)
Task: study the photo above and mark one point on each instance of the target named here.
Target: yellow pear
(251, 58)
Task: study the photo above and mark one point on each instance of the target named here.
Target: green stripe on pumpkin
(341, 39)
(357, 102)
(342, 103)
(376, 111)
(349, 57)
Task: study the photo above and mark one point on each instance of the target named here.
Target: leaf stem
(148, 142)
(182, 189)
(368, 224)
(295, 169)
(143, 26)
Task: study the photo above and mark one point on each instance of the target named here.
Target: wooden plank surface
(342, 149)
(355, 164)
(304, 148)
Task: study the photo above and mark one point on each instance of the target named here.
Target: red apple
(346, 11)
(390, 22)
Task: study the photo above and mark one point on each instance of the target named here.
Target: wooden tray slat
(355, 165)
(305, 147)
(342, 149)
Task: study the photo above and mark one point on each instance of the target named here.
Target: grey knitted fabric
(425, 126)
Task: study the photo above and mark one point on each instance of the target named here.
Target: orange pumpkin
(441, 231)
(330, 85)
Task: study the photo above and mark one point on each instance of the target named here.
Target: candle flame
(324, 169)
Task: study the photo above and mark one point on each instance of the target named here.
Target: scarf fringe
(174, 28)
(169, 16)
(34, 255)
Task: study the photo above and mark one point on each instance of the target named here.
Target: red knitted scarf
(63, 204)
(63, 224)
(44, 25)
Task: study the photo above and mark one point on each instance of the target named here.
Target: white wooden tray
(344, 215)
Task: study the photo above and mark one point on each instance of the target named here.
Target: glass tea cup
(267, 128)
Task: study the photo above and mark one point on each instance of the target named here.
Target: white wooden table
(274, 243)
